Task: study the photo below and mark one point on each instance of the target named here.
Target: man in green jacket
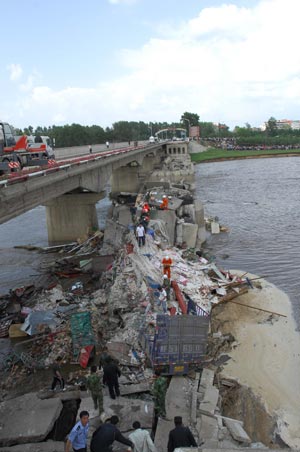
(94, 384)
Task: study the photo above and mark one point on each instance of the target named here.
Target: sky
(103, 61)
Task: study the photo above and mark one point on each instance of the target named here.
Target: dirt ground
(264, 356)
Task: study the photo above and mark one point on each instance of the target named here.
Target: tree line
(79, 135)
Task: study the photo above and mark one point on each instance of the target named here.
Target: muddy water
(19, 267)
(259, 201)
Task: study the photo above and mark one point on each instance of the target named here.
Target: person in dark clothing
(38, 139)
(106, 434)
(57, 376)
(180, 436)
(111, 373)
(104, 358)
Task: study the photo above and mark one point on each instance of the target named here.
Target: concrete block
(189, 209)
(207, 379)
(48, 446)
(123, 215)
(201, 236)
(210, 400)
(237, 431)
(169, 218)
(215, 228)
(113, 235)
(199, 212)
(209, 428)
(178, 234)
(162, 434)
(27, 419)
(189, 234)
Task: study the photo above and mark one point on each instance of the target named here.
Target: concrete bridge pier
(71, 216)
(126, 179)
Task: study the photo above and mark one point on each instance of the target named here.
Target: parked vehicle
(178, 343)
(17, 153)
(35, 141)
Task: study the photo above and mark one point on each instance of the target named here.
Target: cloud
(15, 70)
(228, 64)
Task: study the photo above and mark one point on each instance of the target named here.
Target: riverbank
(214, 154)
(265, 357)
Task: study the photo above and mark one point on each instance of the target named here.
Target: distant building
(293, 124)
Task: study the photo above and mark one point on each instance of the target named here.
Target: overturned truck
(177, 344)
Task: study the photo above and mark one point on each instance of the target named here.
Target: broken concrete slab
(174, 203)
(194, 399)
(67, 395)
(210, 400)
(120, 351)
(237, 431)
(207, 379)
(189, 234)
(27, 419)
(178, 399)
(208, 428)
(128, 411)
(122, 215)
(48, 446)
(169, 218)
(134, 388)
(162, 434)
(88, 405)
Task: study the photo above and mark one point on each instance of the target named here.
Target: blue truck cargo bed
(177, 344)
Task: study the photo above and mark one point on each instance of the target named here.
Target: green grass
(215, 154)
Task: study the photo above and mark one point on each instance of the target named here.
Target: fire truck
(16, 154)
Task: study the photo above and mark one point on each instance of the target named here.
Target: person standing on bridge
(107, 144)
(90, 149)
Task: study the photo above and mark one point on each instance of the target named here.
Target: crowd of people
(107, 433)
(138, 441)
(141, 223)
(230, 143)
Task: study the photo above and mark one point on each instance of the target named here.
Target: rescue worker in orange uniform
(145, 208)
(167, 262)
(165, 203)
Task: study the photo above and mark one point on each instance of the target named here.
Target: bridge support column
(71, 216)
(126, 179)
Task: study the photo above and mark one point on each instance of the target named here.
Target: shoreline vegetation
(215, 154)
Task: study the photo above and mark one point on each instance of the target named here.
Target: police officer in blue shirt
(78, 435)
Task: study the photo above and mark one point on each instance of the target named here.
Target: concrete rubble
(115, 281)
(27, 419)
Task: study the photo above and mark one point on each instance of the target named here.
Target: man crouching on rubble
(106, 434)
(79, 433)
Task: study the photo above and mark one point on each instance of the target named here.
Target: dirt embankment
(265, 361)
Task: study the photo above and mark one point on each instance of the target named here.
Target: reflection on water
(258, 200)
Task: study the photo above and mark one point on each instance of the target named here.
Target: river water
(257, 199)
